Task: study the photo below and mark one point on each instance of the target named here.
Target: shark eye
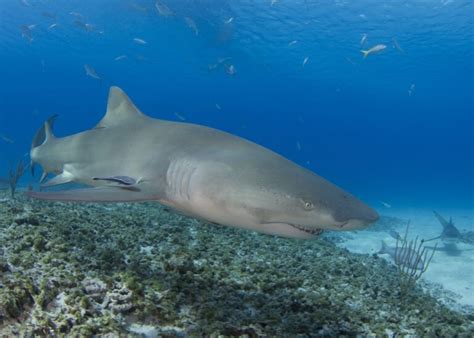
(307, 205)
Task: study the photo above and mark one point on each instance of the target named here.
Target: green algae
(88, 269)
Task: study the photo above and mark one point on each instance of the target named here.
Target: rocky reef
(142, 270)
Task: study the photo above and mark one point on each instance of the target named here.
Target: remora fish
(200, 171)
(374, 49)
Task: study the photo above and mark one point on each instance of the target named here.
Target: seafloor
(140, 269)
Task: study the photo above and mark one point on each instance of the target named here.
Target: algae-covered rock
(125, 269)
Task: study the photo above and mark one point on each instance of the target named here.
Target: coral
(120, 301)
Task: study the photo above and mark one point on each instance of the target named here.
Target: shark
(450, 233)
(450, 236)
(199, 171)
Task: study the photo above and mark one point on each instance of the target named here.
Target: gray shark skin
(199, 171)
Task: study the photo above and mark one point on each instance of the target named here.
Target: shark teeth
(312, 231)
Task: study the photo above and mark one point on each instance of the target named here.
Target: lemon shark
(199, 171)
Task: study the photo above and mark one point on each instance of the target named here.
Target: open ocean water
(394, 128)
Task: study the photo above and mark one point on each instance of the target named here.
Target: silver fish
(191, 24)
(139, 41)
(90, 71)
(163, 10)
(373, 50)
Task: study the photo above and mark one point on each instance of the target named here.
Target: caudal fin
(365, 52)
(383, 248)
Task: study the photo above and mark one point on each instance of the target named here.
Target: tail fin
(365, 52)
(383, 248)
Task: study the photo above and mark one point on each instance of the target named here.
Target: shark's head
(301, 210)
(288, 201)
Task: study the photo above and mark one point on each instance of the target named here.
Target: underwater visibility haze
(369, 104)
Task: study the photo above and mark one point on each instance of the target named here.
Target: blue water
(353, 118)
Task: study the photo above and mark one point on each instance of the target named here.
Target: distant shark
(199, 171)
(450, 236)
(450, 233)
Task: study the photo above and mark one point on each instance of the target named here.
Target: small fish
(139, 41)
(385, 204)
(191, 24)
(120, 57)
(85, 26)
(305, 61)
(76, 14)
(348, 59)
(219, 62)
(373, 50)
(212, 67)
(90, 71)
(230, 69)
(137, 7)
(222, 60)
(228, 21)
(411, 91)
(25, 3)
(396, 235)
(291, 43)
(6, 139)
(396, 45)
(363, 40)
(273, 2)
(141, 58)
(179, 116)
(218, 107)
(162, 9)
(53, 25)
(26, 32)
(298, 145)
(49, 15)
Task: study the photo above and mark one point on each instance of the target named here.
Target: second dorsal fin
(120, 109)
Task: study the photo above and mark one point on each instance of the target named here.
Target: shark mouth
(312, 231)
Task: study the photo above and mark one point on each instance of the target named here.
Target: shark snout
(360, 218)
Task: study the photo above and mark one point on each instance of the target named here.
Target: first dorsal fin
(120, 109)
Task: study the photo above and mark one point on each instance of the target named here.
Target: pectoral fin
(62, 178)
(99, 194)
